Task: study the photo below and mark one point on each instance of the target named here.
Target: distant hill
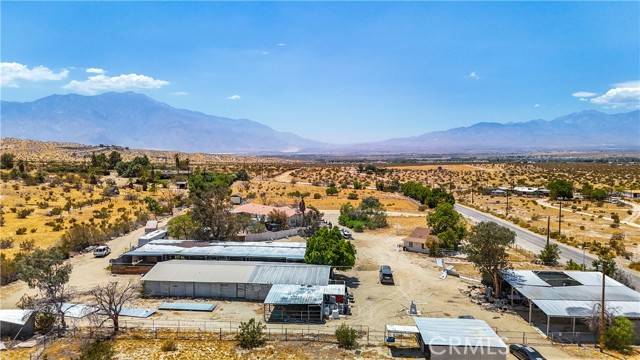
(136, 120)
(581, 131)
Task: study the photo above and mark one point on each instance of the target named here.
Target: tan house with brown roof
(419, 240)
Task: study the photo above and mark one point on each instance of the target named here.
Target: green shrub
(352, 196)
(251, 334)
(317, 196)
(346, 336)
(44, 322)
(21, 231)
(168, 345)
(619, 336)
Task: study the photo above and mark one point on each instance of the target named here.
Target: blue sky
(338, 72)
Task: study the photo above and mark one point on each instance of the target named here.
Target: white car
(101, 251)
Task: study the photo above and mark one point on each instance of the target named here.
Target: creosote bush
(346, 336)
(168, 345)
(251, 334)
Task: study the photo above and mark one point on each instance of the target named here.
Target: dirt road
(88, 271)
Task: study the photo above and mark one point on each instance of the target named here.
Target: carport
(294, 303)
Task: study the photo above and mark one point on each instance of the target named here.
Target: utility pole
(602, 323)
(548, 229)
(560, 219)
(507, 211)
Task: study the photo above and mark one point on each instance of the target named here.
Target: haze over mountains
(136, 120)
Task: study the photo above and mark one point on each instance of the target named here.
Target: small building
(450, 338)
(154, 235)
(151, 226)
(142, 259)
(419, 240)
(17, 323)
(259, 212)
(236, 199)
(295, 303)
(631, 194)
(182, 185)
(228, 279)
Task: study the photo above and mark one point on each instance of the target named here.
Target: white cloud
(583, 94)
(281, 44)
(12, 73)
(474, 76)
(621, 95)
(536, 105)
(234, 97)
(264, 52)
(100, 83)
(95, 71)
(180, 93)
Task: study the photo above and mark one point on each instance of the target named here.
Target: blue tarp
(187, 306)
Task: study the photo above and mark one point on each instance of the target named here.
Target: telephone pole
(560, 219)
(602, 309)
(548, 229)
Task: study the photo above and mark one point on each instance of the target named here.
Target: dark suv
(523, 352)
(386, 275)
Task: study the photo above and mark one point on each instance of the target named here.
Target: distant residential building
(182, 185)
(419, 240)
(631, 194)
(261, 213)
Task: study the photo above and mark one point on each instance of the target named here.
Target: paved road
(534, 242)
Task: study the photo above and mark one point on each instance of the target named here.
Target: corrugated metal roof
(187, 306)
(77, 310)
(533, 287)
(286, 250)
(457, 332)
(247, 272)
(335, 289)
(135, 312)
(581, 309)
(281, 294)
(15, 316)
(402, 329)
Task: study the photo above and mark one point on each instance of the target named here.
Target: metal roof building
(17, 323)
(228, 279)
(571, 294)
(141, 259)
(450, 338)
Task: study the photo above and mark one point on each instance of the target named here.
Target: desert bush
(21, 231)
(619, 336)
(23, 213)
(97, 350)
(6, 243)
(352, 196)
(317, 196)
(346, 336)
(251, 334)
(168, 345)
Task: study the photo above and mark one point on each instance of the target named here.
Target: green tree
(487, 250)
(328, 247)
(606, 262)
(45, 270)
(620, 335)
(182, 227)
(6, 161)
(211, 210)
(550, 254)
(572, 265)
(346, 336)
(560, 188)
(114, 159)
(445, 217)
(279, 218)
(242, 175)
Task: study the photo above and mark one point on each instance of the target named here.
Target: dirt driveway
(418, 279)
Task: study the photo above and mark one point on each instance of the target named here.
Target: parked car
(386, 275)
(524, 352)
(101, 251)
(346, 234)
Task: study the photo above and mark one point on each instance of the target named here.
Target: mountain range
(136, 120)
